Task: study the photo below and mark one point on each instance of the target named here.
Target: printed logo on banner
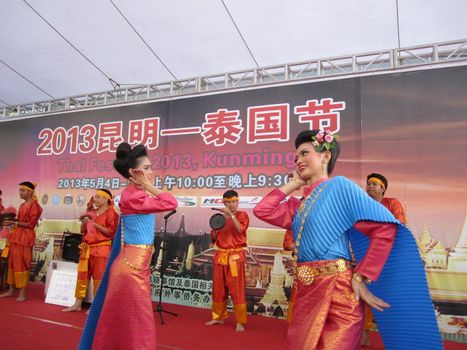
(186, 201)
(81, 200)
(68, 199)
(55, 199)
(249, 202)
(216, 202)
(45, 199)
(211, 202)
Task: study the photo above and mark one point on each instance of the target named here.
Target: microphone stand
(159, 307)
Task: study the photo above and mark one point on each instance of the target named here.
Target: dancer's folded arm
(381, 237)
(272, 211)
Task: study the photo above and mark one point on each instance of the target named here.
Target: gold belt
(141, 246)
(306, 274)
(229, 257)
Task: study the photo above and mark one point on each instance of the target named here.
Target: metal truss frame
(359, 64)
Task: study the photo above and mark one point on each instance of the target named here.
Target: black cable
(144, 41)
(240, 33)
(7, 105)
(69, 43)
(29, 81)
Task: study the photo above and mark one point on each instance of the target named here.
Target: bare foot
(7, 294)
(21, 298)
(72, 308)
(213, 322)
(240, 328)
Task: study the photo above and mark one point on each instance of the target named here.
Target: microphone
(170, 214)
(216, 209)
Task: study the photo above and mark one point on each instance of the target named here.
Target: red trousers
(96, 269)
(19, 264)
(227, 264)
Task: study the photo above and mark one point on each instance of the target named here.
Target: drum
(217, 221)
(7, 216)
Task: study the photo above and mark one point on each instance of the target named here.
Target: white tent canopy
(52, 49)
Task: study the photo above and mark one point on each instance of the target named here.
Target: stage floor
(34, 324)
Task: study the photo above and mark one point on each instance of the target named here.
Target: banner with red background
(411, 127)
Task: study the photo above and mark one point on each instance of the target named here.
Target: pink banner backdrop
(410, 127)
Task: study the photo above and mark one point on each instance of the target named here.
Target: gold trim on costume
(219, 310)
(240, 313)
(306, 274)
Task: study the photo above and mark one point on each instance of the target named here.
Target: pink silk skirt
(325, 314)
(127, 317)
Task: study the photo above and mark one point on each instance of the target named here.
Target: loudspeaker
(71, 242)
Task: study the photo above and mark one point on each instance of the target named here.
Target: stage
(35, 324)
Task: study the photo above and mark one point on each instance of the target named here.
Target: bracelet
(357, 276)
(297, 180)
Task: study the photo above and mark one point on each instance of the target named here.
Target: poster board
(62, 288)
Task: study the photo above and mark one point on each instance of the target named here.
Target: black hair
(307, 136)
(381, 177)
(128, 158)
(230, 194)
(28, 184)
(106, 191)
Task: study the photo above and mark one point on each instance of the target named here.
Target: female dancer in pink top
(121, 316)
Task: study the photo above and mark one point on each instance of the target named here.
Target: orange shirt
(108, 219)
(229, 237)
(28, 213)
(395, 207)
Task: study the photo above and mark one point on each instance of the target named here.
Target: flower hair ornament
(324, 140)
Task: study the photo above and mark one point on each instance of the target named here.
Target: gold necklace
(302, 222)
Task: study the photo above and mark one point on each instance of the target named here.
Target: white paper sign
(62, 288)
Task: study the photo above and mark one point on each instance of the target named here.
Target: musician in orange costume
(21, 241)
(229, 263)
(376, 186)
(99, 225)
